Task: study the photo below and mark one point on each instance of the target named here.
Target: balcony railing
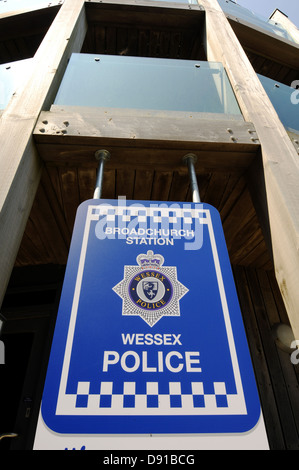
(285, 100)
(147, 83)
(190, 2)
(231, 8)
(9, 6)
(12, 75)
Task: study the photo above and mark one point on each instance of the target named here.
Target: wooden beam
(278, 205)
(144, 13)
(20, 165)
(139, 138)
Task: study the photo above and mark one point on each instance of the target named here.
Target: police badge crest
(150, 289)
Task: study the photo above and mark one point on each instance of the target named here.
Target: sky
(266, 7)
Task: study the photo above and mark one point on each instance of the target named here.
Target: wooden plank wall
(63, 188)
(277, 378)
(145, 30)
(21, 34)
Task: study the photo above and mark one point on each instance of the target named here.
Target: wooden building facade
(247, 167)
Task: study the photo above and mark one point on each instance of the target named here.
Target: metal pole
(102, 156)
(8, 434)
(189, 160)
(2, 319)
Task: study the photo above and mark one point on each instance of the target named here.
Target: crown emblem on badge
(150, 260)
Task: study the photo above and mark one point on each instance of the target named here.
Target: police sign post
(149, 338)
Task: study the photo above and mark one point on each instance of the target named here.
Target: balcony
(239, 12)
(148, 112)
(145, 109)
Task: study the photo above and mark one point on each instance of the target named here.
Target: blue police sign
(149, 336)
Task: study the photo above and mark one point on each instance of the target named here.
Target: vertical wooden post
(278, 205)
(20, 165)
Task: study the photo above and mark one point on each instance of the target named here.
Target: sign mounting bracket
(190, 159)
(102, 156)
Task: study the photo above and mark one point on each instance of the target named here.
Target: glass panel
(284, 99)
(232, 8)
(190, 2)
(12, 75)
(146, 83)
(19, 5)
